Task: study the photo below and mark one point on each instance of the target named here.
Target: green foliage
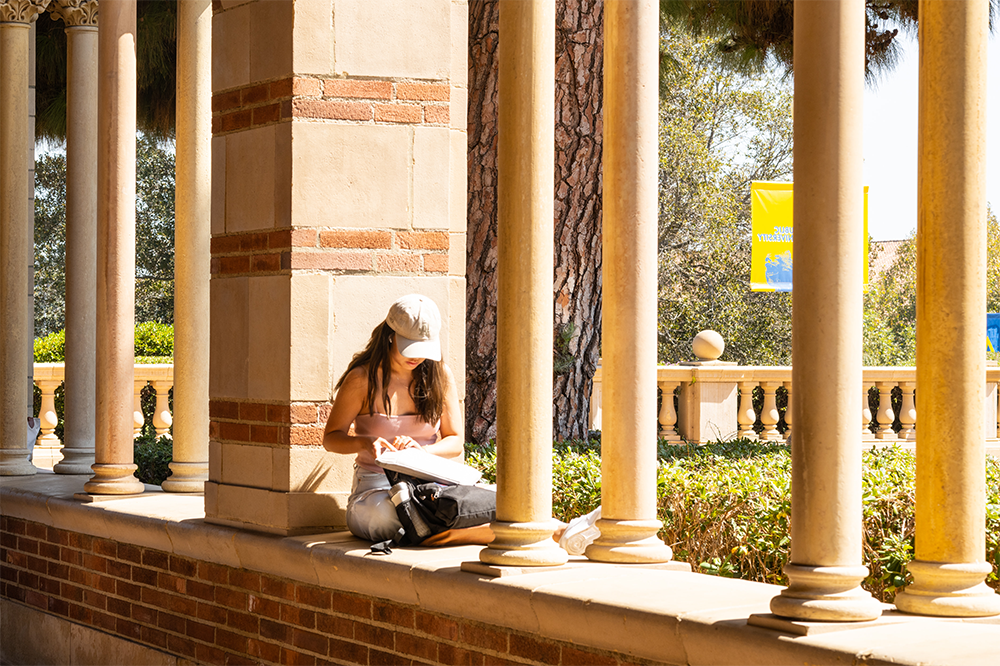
(154, 251)
(890, 315)
(890, 310)
(50, 243)
(154, 343)
(152, 456)
(563, 358)
(750, 34)
(154, 231)
(51, 348)
(153, 339)
(725, 507)
(719, 131)
(156, 53)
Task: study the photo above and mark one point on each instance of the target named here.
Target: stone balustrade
(715, 402)
(50, 376)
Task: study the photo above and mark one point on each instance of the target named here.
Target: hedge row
(725, 507)
(154, 343)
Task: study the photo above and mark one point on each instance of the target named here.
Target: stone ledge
(652, 613)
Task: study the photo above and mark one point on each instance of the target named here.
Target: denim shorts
(371, 515)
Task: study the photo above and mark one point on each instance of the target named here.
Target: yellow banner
(771, 247)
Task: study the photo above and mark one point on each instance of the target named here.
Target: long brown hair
(427, 388)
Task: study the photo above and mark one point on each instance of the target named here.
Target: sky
(890, 144)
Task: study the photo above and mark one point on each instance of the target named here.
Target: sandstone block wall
(339, 183)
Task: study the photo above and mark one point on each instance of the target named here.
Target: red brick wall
(275, 424)
(341, 251)
(359, 101)
(214, 614)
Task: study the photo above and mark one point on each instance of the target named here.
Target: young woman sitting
(397, 393)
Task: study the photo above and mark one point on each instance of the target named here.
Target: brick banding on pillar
(426, 92)
(398, 113)
(267, 424)
(436, 114)
(334, 250)
(331, 99)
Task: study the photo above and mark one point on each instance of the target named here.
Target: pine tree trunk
(577, 237)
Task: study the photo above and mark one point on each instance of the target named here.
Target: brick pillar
(339, 184)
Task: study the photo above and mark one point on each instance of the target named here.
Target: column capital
(76, 13)
(21, 11)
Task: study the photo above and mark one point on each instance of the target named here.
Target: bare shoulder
(448, 374)
(356, 381)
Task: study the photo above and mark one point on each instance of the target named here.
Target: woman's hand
(403, 442)
(380, 444)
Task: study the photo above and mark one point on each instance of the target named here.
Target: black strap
(382, 547)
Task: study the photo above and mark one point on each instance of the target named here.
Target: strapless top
(388, 427)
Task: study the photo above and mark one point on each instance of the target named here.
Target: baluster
(668, 414)
(745, 415)
(769, 413)
(866, 416)
(788, 412)
(47, 414)
(161, 412)
(137, 418)
(885, 415)
(908, 412)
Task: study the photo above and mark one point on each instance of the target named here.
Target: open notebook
(417, 462)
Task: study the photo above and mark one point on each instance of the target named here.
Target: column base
(187, 477)
(523, 545)
(14, 462)
(111, 479)
(75, 460)
(629, 542)
(826, 593)
(949, 590)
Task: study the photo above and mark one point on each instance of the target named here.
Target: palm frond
(156, 55)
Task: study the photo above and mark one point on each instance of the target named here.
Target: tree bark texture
(577, 235)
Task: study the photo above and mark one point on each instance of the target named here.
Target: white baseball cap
(417, 323)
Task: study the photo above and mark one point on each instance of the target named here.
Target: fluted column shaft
(81, 234)
(523, 527)
(628, 453)
(115, 251)
(826, 568)
(16, 242)
(950, 565)
(192, 233)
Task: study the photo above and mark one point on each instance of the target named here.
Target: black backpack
(426, 508)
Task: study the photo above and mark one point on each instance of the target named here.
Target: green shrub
(153, 339)
(153, 456)
(725, 507)
(154, 343)
(51, 348)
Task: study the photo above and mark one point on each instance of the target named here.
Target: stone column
(80, 17)
(115, 251)
(825, 569)
(950, 566)
(524, 309)
(16, 17)
(192, 236)
(628, 466)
